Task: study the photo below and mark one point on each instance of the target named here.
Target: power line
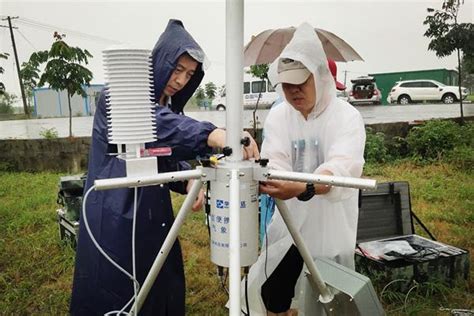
(31, 44)
(49, 27)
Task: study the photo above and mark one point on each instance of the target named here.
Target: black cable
(266, 240)
(246, 272)
(422, 254)
(207, 209)
(422, 225)
(224, 280)
(254, 116)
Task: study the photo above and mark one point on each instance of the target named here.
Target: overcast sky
(388, 34)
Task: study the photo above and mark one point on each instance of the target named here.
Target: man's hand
(197, 205)
(251, 151)
(285, 190)
(282, 190)
(217, 137)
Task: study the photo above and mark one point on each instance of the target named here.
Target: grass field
(36, 269)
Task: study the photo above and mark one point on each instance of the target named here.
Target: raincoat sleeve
(275, 142)
(186, 136)
(344, 156)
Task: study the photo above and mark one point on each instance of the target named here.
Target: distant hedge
(434, 140)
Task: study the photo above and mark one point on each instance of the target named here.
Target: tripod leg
(168, 243)
(326, 295)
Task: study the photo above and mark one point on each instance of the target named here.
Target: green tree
(467, 76)
(259, 71)
(64, 69)
(6, 103)
(448, 35)
(200, 95)
(211, 90)
(29, 73)
(2, 86)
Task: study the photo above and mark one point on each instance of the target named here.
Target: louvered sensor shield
(130, 110)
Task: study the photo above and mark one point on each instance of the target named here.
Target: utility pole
(23, 97)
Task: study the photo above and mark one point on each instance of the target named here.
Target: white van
(253, 87)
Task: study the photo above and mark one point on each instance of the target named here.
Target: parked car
(408, 91)
(253, 88)
(364, 91)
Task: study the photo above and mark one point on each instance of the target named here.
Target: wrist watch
(308, 193)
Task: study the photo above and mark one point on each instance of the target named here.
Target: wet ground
(82, 126)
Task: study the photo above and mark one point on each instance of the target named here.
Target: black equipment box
(70, 199)
(70, 195)
(68, 230)
(388, 248)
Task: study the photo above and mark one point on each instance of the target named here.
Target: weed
(375, 149)
(36, 268)
(49, 133)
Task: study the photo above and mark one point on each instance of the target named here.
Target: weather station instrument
(233, 181)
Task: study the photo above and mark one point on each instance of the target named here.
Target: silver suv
(408, 91)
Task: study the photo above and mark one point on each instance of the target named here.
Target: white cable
(136, 286)
(388, 284)
(96, 244)
(123, 308)
(134, 267)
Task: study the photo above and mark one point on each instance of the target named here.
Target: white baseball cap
(291, 71)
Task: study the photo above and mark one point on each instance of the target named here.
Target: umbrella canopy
(267, 46)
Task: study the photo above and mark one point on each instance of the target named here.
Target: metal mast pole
(23, 97)
(234, 77)
(234, 89)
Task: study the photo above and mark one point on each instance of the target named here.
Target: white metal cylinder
(130, 182)
(234, 245)
(234, 76)
(220, 216)
(324, 179)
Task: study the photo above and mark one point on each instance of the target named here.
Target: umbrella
(267, 46)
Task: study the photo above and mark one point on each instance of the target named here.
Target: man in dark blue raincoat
(98, 286)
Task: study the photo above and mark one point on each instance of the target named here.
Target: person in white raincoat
(312, 131)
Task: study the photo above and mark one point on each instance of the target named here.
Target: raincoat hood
(174, 42)
(306, 48)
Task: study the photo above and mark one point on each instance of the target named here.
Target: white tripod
(234, 174)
